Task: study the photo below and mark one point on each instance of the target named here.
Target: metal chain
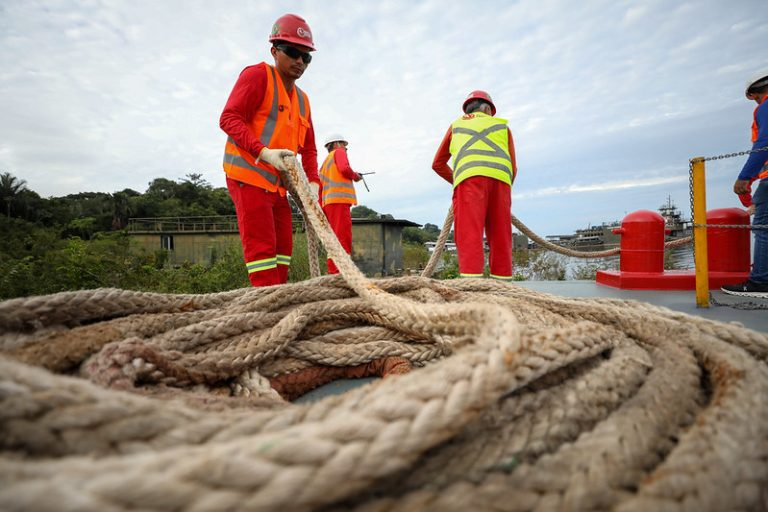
(690, 191)
(741, 226)
(731, 155)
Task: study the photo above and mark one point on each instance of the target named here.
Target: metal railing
(202, 224)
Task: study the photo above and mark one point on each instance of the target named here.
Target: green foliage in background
(78, 241)
(49, 245)
(35, 262)
(415, 256)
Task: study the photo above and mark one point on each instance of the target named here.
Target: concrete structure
(377, 245)
(519, 242)
(187, 239)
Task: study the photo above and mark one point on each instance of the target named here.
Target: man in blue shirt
(756, 167)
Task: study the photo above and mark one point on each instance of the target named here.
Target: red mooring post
(641, 265)
(728, 248)
(642, 242)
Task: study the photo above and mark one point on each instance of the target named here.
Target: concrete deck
(684, 301)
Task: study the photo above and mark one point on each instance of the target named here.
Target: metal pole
(700, 233)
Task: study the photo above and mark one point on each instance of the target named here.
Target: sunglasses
(294, 53)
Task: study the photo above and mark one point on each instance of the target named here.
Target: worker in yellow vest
(338, 192)
(267, 119)
(484, 169)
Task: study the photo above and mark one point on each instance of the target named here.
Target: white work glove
(274, 157)
(315, 188)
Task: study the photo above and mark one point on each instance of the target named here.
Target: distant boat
(603, 234)
(596, 235)
(674, 222)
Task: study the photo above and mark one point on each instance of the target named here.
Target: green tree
(414, 235)
(10, 188)
(432, 231)
(122, 208)
(363, 212)
(161, 189)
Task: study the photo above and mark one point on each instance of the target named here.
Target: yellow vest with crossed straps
(480, 147)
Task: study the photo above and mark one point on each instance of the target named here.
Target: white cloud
(111, 94)
(608, 186)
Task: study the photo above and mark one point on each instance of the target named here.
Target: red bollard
(642, 242)
(642, 253)
(728, 248)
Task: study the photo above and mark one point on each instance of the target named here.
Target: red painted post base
(668, 280)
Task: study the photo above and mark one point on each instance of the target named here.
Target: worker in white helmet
(756, 168)
(338, 193)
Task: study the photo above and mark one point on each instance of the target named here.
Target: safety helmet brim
(336, 137)
(756, 81)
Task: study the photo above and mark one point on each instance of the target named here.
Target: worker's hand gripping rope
(274, 157)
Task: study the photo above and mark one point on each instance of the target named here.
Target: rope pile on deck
(518, 400)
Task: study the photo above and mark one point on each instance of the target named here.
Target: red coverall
(339, 213)
(480, 204)
(263, 217)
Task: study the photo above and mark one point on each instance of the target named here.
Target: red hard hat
(479, 95)
(292, 29)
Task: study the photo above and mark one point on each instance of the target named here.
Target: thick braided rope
(312, 240)
(525, 401)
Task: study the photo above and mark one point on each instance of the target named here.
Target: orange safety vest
(755, 130)
(281, 122)
(336, 188)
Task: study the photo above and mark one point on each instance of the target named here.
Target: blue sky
(607, 100)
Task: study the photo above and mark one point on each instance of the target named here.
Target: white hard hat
(759, 79)
(335, 137)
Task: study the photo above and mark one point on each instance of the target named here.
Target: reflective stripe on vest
(336, 188)
(275, 128)
(236, 160)
(480, 147)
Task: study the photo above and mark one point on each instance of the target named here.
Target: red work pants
(483, 204)
(341, 222)
(264, 221)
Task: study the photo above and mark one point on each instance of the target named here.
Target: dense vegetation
(79, 241)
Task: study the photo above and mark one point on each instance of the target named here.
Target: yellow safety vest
(480, 147)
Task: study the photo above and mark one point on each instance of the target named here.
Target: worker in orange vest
(267, 119)
(484, 169)
(755, 168)
(338, 192)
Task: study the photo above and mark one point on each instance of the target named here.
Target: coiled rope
(118, 400)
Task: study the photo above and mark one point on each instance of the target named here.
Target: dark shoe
(747, 289)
